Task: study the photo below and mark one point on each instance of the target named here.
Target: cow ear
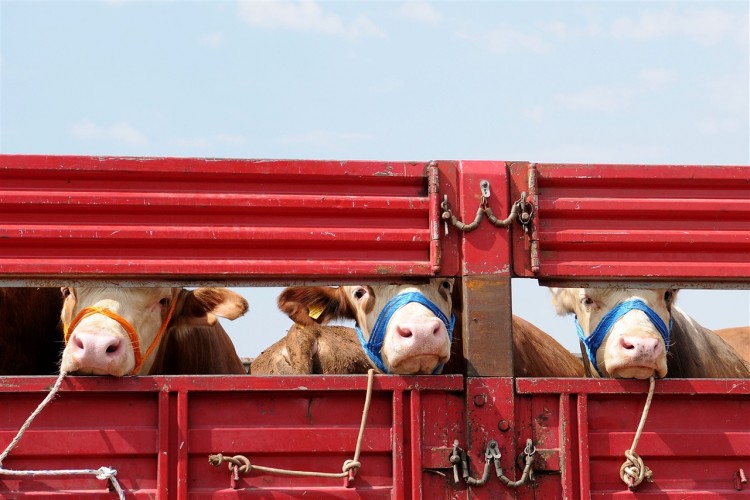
(562, 299)
(216, 301)
(308, 305)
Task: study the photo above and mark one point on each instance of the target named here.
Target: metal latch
(492, 456)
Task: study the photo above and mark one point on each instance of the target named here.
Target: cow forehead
(127, 297)
(381, 294)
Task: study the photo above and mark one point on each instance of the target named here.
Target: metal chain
(491, 455)
(521, 210)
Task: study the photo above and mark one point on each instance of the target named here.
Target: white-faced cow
(31, 337)
(419, 340)
(637, 333)
(118, 331)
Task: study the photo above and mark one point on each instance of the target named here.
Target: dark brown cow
(31, 339)
(312, 348)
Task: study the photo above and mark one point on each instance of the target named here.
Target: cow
(31, 338)
(311, 346)
(738, 338)
(124, 331)
(639, 333)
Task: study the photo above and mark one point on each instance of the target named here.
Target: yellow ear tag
(315, 311)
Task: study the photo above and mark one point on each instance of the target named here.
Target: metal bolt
(503, 425)
(480, 399)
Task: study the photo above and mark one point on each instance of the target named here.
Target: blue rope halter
(594, 341)
(373, 346)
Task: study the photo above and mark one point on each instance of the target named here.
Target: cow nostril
(113, 346)
(77, 342)
(626, 345)
(404, 331)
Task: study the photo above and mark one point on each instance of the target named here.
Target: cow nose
(96, 350)
(637, 348)
(424, 328)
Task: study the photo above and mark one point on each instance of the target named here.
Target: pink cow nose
(95, 351)
(646, 350)
(423, 328)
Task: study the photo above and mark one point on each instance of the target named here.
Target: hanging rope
(105, 473)
(241, 464)
(634, 471)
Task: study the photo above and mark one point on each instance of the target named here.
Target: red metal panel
(197, 219)
(640, 222)
(695, 438)
(304, 423)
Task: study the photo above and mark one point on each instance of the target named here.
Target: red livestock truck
(136, 221)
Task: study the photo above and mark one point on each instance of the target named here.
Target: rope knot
(634, 471)
(106, 473)
(350, 464)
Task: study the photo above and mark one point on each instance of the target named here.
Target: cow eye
(668, 296)
(587, 301)
(65, 291)
(446, 284)
(359, 293)
(164, 302)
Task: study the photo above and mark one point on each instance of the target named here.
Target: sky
(604, 82)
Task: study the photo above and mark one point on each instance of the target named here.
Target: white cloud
(305, 15)
(119, 131)
(421, 12)
(320, 138)
(212, 39)
(656, 78)
(707, 26)
(601, 98)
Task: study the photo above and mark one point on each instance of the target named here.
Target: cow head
(404, 329)
(625, 331)
(116, 331)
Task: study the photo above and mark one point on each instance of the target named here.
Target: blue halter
(594, 341)
(373, 346)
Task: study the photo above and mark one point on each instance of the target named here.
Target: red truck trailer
(136, 221)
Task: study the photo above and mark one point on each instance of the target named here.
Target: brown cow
(311, 348)
(105, 325)
(738, 338)
(634, 344)
(31, 339)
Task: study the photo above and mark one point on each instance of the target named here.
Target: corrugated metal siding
(242, 220)
(643, 222)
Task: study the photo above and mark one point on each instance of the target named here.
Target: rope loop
(634, 471)
(351, 465)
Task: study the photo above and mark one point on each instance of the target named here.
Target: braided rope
(106, 473)
(633, 471)
(244, 465)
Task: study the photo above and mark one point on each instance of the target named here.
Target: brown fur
(195, 342)
(31, 339)
(696, 352)
(536, 354)
(313, 349)
(738, 338)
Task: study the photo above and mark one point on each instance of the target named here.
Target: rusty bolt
(503, 425)
(480, 399)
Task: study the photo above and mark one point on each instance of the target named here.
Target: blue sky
(610, 82)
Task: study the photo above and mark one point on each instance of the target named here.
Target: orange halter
(134, 340)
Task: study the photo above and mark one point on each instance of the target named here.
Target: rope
(105, 473)
(634, 471)
(244, 465)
